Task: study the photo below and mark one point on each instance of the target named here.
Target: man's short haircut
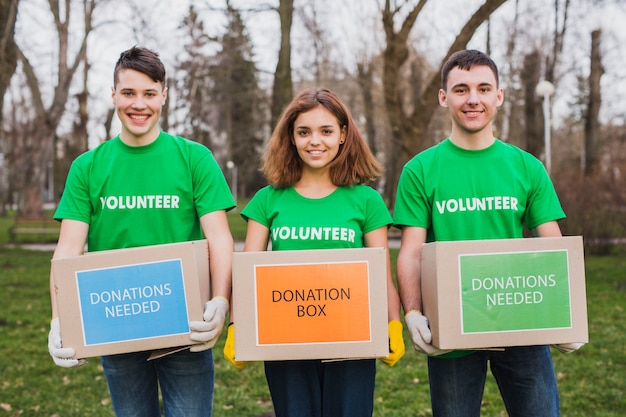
(465, 60)
(143, 60)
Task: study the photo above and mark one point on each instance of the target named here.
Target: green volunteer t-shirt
(146, 195)
(459, 194)
(339, 220)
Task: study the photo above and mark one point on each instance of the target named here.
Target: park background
(233, 65)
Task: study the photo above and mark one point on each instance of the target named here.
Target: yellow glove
(396, 343)
(229, 348)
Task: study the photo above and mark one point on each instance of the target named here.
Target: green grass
(237, 224)
(5, 223)
(591, 380)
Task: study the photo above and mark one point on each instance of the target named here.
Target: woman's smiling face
(317, 136)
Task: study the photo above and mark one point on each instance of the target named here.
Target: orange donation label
(313, 303)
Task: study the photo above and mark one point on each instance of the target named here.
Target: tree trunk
(8, 64)
(592, 122)
(42, 153)
(8, 53)
(282, 91)
(38, 155)
(557, 42)
(365, 78)
(408, 129)
(533, 141)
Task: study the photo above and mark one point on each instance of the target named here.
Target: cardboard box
(130, 300)
(310, 304)
(507, 292)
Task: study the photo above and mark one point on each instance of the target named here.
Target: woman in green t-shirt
(317, 165)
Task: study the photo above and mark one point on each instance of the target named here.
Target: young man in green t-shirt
(146, 187)
(474, 186)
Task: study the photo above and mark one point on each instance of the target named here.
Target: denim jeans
(525, 376)
(185, 379)
(312, 388)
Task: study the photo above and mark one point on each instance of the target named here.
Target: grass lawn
(592, 380)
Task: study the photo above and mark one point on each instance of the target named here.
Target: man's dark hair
(143, 60)
(465, 60)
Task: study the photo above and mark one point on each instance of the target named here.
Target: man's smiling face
(138, 101)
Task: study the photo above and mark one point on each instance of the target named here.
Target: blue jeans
(312, 388)
(185, 378)
(525, 377)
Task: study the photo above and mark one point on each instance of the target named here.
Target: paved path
(393, 243)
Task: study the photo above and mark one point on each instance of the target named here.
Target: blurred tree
(282, 90)
(535, 120)
(221, 91)
(15, 127)
(365, 79)
(8, 49)
(194, 83)
(410, 122)
(40, 145)
(592, 122)
(236, 98)
(533, 115)
(71, 145)
(558, 36)
(509, 124)
(317, 59)
(8, 63)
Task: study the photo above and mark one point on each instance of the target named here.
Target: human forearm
(378, 239)
(72, 237)
(408, 271)
(220, 265)
(548, 229)
(393, 298)
(221, 248)
(71, 243)
(408, 268)
(393, 303)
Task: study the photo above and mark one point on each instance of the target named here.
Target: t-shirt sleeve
(543, 204)
(377, 215)
(75, 203)
(211, 191)
(412, 207)
(256, 209)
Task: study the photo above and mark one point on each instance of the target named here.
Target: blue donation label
(132, 302)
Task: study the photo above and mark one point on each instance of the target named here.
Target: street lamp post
(545, 89)
(233, 178)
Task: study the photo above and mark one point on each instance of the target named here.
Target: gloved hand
(229, 348)
(568, 347)
(209, 330)
(396, 343)
(420, 333)
(63, 357)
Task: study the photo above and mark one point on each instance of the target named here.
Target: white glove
(63, 357)
(568, 347)
(209, 330)
(420, 333)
